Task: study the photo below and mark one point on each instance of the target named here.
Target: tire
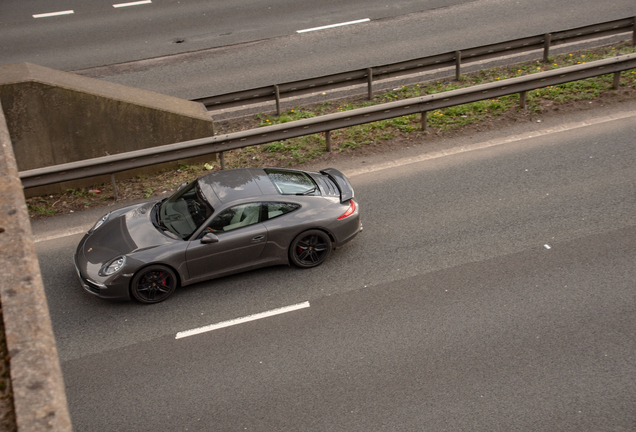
(153, 284)
(310, 249)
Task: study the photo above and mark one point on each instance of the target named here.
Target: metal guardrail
(423, 104)
(449, 59)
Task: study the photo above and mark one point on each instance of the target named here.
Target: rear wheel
(310, 249)
(153, 284)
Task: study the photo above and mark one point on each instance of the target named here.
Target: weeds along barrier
(419, 65)
(324, 124)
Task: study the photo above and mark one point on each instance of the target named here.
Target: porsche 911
(223, 223)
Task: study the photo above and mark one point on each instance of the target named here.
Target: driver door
(241, 240)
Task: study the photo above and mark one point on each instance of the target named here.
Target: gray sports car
(222, 223)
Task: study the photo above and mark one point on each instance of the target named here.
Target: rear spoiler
(346, 191)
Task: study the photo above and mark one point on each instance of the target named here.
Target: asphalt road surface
(195, 48)
(491, 290)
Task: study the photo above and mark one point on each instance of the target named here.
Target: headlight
(100, 222)
(114, 266)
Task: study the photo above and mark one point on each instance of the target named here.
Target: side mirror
(209, 238)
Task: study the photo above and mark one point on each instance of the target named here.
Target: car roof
(231, 185)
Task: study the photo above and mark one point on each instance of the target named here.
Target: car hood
(126, 231)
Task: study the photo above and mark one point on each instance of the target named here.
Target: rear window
(292, 182)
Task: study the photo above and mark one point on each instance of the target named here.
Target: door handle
(258, 238)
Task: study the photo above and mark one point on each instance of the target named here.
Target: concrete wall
(56, 117)
(39, 399)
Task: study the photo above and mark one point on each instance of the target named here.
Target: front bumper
(88, 285)
(115, 287)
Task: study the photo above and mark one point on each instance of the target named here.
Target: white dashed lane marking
(333, 25)
(236, 321)
(52, 14)
(70, 12)
(136, 3)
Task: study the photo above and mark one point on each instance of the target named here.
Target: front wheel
(310, 249)
(153, 284)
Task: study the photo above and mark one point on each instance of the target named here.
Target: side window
(235, 217)
(275, 209)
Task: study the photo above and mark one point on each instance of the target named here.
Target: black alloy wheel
(310, 249)
(153, 284)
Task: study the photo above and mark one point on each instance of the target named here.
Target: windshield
(185, 211)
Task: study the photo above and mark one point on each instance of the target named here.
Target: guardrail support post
(328, 140)
(617, 81)
(370, 82)
(546, 47)
(222, 155)
(277, 91)
(458, 65)
(424, 121)
(112, 180)
(634, 33)
(522, 100)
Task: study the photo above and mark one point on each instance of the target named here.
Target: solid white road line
(236, 321)
(485, 144)
(52, 14)
(61, 234)
(333, 25)
(137, 3)
(414, 159)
